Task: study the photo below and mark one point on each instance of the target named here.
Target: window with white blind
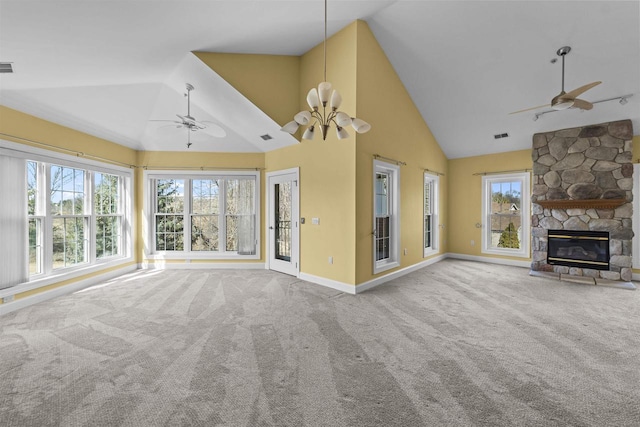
(205, 214)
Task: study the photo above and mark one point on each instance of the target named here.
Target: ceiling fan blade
(582, 104)
(168, 121)
(213, 129)
(529, 109)
(581, 90)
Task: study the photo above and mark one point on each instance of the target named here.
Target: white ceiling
(108, 67)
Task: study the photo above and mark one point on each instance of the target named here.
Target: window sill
(430, 252)
(57, 277)
(379, 268)
(199, 256)
(520, 253)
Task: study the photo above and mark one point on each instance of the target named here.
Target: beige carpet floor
(455, 344)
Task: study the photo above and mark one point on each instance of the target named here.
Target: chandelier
(321, 117)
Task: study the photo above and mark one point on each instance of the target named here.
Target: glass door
(282, 219)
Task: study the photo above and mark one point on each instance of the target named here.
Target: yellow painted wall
(327, 173)
(158, 160)
(271, 82)
(20, 125)
(465, 199)
(398, 132)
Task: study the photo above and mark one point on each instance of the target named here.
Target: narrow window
(506, 209)
(70, 221)
(205, 216)
(35, 214)
(169, 217)
(386, 216)
(240, 216)
(108, 211)
(431, 184)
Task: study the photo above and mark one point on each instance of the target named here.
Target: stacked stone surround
(584, 163)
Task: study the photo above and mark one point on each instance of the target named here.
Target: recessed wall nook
(582, 184)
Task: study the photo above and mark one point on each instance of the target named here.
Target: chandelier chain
(325, 40)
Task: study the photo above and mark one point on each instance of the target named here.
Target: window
(506, 210)
(218, 216)
(205, 215)
(77, 215)
(107, 205)
(385, 216)
(431, 184)
(169, 216)
(69, 216)
(35, 215)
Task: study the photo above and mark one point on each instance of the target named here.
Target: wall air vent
(266, 137)
(6, 67)
(501, 135)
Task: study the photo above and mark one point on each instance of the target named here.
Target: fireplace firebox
(578, 248)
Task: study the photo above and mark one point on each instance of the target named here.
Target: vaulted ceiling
(108, 67)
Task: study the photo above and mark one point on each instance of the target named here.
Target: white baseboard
(398, 273)
(490, 260)
(329, 283)
(353, 289)
(62, 290)
(161, 265)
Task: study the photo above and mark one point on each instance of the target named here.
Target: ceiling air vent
(266, 137)
(501, 135)
(6, 67)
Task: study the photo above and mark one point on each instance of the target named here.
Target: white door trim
(295, 218)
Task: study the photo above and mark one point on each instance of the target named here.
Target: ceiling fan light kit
(319, 116)
(622, 100)
(189, 123)
(565, 100)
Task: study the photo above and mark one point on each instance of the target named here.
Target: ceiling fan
(189, 123)
(565, 100)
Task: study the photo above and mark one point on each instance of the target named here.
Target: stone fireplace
(582, 182)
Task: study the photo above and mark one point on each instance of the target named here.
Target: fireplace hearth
(582, 249)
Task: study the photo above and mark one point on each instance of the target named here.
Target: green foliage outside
(509, 237)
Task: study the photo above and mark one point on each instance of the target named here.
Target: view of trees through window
(67, 200)
(221, 213)
(506, 219)
(62, 215)
(108, 220)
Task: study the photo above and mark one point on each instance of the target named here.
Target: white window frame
(45, 159)
(435, 228)
(150, 178)
(394, 216)
(525, 212)
(635, 242)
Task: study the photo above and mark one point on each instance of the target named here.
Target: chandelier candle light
(320, 97)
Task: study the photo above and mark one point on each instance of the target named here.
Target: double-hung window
(505, 205)
(430, 226)
(214, 213)
(69, 216)
(108, 214)
(78, 215)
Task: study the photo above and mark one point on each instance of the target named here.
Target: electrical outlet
(473, 243)
(8, 299)
(330, 260)
(405, 251)
(315, 221)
